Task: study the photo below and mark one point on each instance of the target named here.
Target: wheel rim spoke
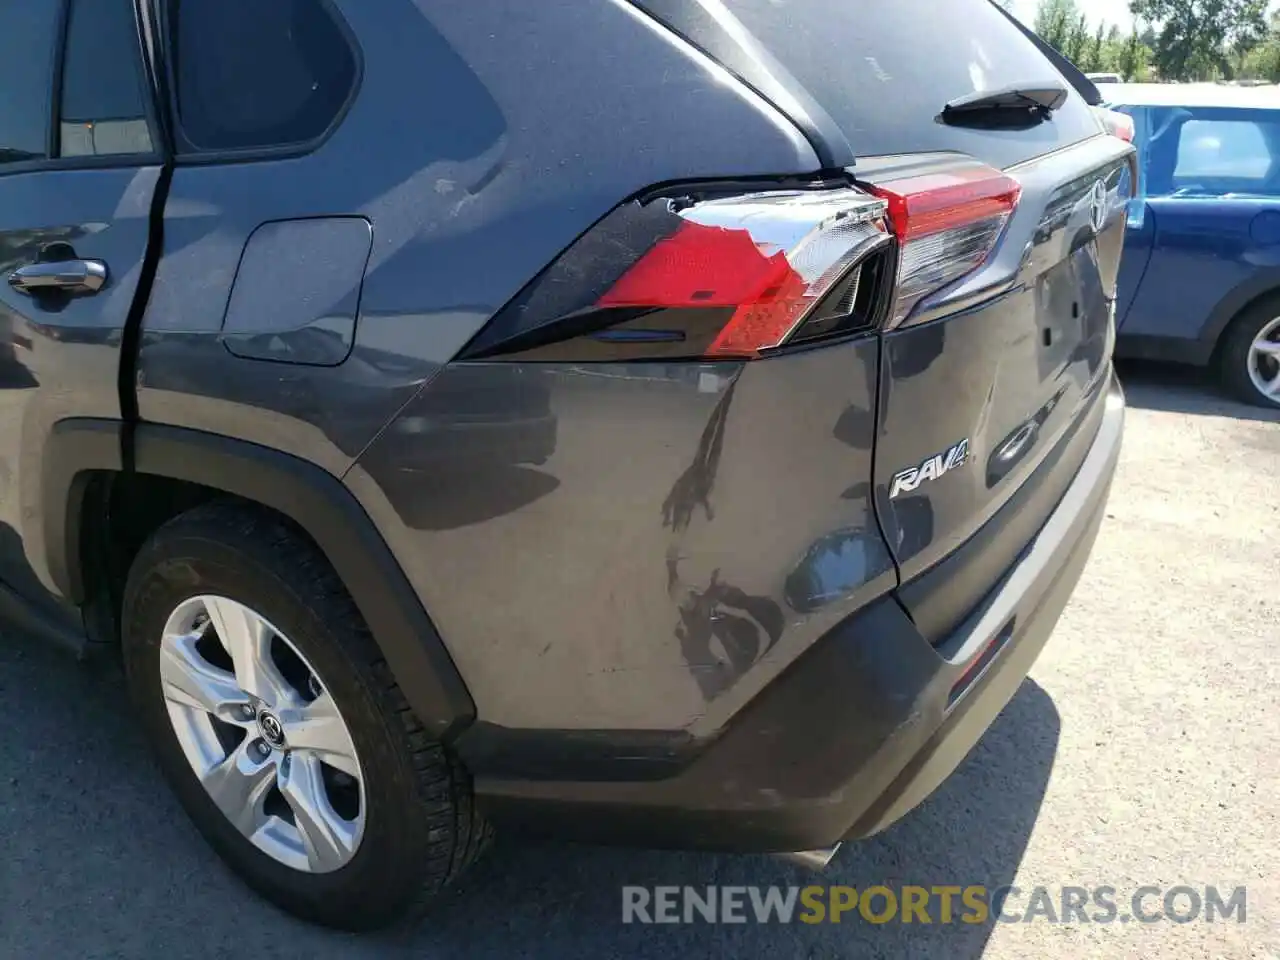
(329, 840)
(239, 785)
(317, 728)
(1270, 348)
(247, 640)
(191, 681)
(295, 746)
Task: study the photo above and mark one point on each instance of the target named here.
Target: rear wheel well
(1233, 360)
(96, 514)
(121, 512)
(1244, 310)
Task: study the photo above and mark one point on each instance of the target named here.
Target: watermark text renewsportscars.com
(936, 904)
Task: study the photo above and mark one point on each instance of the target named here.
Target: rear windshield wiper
(1012, 106)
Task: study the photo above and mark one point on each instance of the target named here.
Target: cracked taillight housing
(948, 218)
(709, 276)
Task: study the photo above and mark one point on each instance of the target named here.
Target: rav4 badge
(906, 481)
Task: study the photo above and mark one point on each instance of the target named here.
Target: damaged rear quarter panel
(635, 547)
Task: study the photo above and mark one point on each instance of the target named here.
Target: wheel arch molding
(310, 496)
(1263, 284)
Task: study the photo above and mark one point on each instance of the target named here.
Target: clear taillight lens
(947, 219)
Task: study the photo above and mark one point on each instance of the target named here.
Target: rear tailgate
(1012, 363)
(989, 388)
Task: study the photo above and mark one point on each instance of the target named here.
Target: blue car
(1200, 277)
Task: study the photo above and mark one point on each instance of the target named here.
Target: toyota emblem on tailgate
(1098, 206)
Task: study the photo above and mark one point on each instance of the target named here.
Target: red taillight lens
(947, 220)
(701, 266)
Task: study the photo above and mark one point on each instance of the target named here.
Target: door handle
(62, 276)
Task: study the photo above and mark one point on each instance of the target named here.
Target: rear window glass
(253, 74)
(884, 69)
(1209, 152)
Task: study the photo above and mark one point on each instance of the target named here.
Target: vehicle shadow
(1175, 388)
(99, 859)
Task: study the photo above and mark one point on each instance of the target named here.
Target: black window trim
(186, 153)
(53, 133)
(52, 162)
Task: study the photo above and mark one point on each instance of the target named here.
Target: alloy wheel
(1264, 361)
(262, 734)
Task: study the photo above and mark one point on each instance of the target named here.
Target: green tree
(1054, 21)
(1263, 61)
(1093, 59)
(1194, 37)
(1133, 58)
(1077, 43)
(1102, 49)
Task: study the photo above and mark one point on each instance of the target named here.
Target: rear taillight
(717, 277)
(1116, 123)
(948, 218)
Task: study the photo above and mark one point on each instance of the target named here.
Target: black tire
(421, 828)
(1234, 352)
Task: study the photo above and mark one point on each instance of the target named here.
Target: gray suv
(660, 422)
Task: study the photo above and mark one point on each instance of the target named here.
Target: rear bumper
(860, 729)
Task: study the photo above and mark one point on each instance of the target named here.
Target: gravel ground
(1142, 751)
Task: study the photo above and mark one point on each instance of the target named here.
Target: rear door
(78, 171)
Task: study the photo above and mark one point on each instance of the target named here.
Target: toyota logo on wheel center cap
(271, 728)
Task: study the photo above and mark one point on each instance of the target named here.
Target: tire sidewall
(1236, 356)
(180, 569)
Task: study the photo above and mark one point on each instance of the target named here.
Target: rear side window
(28, 31)
(103, 92)
(884, 69)
(258, 74)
